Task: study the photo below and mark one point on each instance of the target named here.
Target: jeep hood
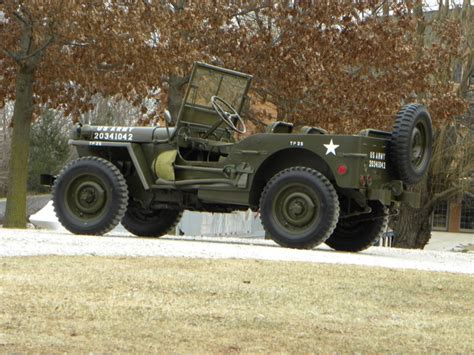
(120, 134)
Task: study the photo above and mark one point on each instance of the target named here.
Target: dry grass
(82, 304)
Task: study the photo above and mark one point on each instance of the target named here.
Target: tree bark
(386, 8)
(421, 24)
(412, 226)
(175, 94)
(467, 22)
(282, 112)
(15, 213)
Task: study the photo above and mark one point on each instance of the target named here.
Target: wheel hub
(298, 208)
(89, 197)
(418, 146)
(295, 208)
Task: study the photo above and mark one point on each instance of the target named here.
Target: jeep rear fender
(135, 153)
(284, 159)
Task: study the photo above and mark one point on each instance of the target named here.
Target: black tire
(299, 208)
(410, 147)
(90, 196)
(359, 232)
(150, 223)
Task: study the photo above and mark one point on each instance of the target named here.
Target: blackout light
(342, 169)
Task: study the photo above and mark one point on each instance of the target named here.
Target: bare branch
(107, 67)
(28, 14)
(254, 9)
(20, 18)
(19, 59)
(442, 196)
(12, 55)
(40, 49)
(75, 44)
(258, 20)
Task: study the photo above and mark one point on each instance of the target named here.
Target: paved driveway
(41, 242)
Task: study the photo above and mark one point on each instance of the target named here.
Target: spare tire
(410, 147)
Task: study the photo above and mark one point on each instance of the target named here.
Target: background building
(455, 216)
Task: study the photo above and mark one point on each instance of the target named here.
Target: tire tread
(154, 232)
(122, 187)
(400, 166)
(330, 224)
(356, 242)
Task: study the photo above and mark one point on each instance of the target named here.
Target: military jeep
(309, 186)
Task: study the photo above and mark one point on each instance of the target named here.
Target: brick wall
(454, 217)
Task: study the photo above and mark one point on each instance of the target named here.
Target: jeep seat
(279, 127)
(312, 130)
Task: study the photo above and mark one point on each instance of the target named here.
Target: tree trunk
(467, 22)
(386, 9)
(420, 25)
(282, 112)
(175, 95)
(412, 226)
(15, 213)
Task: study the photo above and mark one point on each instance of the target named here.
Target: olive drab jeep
(310, 186)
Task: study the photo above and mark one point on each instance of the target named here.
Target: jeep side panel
(260, 156)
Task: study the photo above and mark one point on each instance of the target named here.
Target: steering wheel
(227, 117)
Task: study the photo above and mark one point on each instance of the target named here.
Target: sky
(433, 4)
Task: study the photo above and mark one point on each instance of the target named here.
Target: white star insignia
(331, 148)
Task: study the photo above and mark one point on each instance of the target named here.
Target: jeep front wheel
(299, 208)
(90, 196)
(150, 223)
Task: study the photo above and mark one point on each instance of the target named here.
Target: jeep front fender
(134, 150)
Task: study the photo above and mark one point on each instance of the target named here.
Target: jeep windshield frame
(206, 81)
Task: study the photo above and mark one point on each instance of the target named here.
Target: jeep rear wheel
(359, 232)
(411, 144)
(150, 223)
(299, 208)
(90, 196)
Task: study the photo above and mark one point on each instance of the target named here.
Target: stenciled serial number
(376, 164)
(113, 136)
(377, 160)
